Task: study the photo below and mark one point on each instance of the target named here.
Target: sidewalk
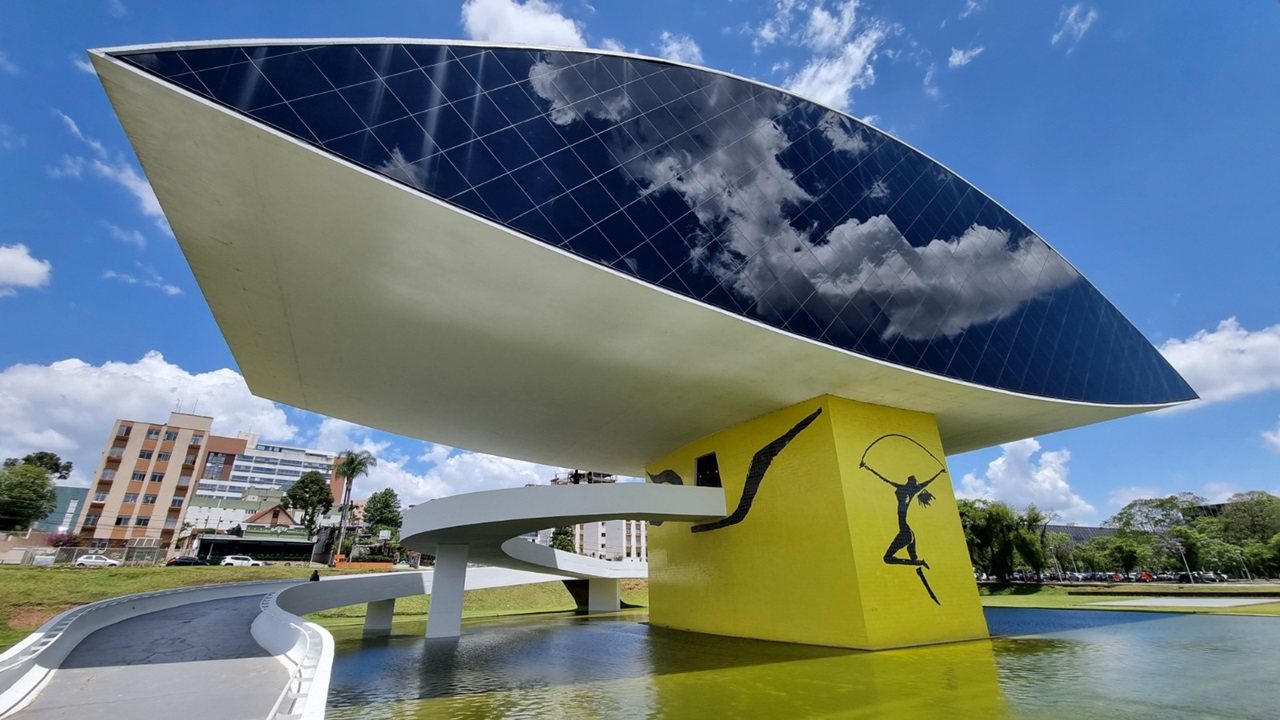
(197, 662)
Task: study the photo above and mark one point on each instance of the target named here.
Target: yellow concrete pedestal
(843, 531)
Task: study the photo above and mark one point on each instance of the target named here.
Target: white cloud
(129, 237)
(971, 7)
(1227, 362)
(1273, 437)
(960, 58)
(113, 167)
(826, 30)
(83, 65)
(18, 269)
(613, 44)
(534, 21)
(451, 471)
(8, 66)
(829, 79)
(117, 8)
(1121, 496)
(69, 406)
(1073, 23)
(680, 48)
(9, 139)
(148, 278)
(930, 87)
(1019, 479)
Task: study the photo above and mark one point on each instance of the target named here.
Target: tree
(47, 460)
(562, 539)
(1253, 515)
(26, 495)
(989, 527)
(310, 495)
(382, 512)
(63, 540)
(351, 464)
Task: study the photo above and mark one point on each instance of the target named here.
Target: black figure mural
(905, 491)
(759, 465)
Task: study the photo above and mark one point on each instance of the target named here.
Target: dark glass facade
(732, 193)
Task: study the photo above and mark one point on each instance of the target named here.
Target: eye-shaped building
(598, 260)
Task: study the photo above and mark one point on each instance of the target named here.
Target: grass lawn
(1054, 597)
(29, 596)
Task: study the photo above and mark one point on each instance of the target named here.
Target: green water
(1050, 664)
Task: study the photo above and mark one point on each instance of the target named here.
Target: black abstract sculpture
(759, 465)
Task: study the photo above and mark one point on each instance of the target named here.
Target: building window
(148, 499)
(164, 456)
(109, 474)
(190, 460)
(184, 480)
(100, 544)
(171, 435)
(157, 477)
(170, 523)
(706, 471)
(197, 439)
(139, 475)
(153, 434)
(115, 452)
(130, 497)
(176, 502)
(91, 520)
(142, 521)
(100, 496)
(124, 431)
(145, 454)
(122, 520)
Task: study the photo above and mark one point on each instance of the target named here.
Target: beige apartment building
(143, 481)
(150, 473)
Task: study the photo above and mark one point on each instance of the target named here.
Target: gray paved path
(192, 662)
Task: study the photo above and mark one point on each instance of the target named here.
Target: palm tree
(351, 464)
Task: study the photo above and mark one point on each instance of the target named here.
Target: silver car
(241, 560)
(96, 561)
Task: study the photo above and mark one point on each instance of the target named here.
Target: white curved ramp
(490, 523)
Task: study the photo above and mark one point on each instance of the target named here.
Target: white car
(241, 560)
(96, 561)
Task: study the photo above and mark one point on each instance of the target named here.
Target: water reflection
(571, 667)
(1080, 664)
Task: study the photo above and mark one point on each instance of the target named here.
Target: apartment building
(149, 473)
(245, 463)
(618, 540)
(141, 484)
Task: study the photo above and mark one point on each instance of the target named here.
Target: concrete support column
(377, 618)
(444, 619)
(606, 596)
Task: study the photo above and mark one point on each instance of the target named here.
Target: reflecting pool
(1046, 664)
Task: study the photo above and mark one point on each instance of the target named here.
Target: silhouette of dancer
(906, 537)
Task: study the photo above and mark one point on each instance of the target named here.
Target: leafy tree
(1153, 516)
(310, 495)
(351, 465)
(382, 512)
(1253, 515)
(63, 540)
(1125, 554)
(562, 539)
(1058, 547)
(989, 527)
(47, 460)
(26, 495)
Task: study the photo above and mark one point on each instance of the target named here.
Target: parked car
(185, 560)
(96, 561)
(241, 561)
(1143, 577)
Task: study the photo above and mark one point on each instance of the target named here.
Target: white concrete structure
(487, 528)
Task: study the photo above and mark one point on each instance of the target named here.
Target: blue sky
(1138, 138)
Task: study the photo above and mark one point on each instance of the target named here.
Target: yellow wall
(807, 562)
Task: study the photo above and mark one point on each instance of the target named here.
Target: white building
(265, 466)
